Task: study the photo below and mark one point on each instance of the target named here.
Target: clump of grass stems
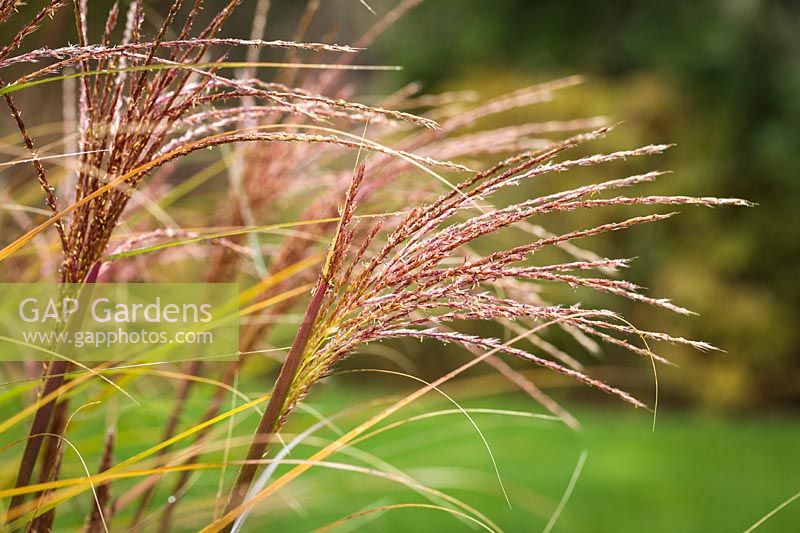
(146, 103)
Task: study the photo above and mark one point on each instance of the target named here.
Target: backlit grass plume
(422, 278)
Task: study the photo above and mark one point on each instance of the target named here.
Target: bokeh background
(721, 80)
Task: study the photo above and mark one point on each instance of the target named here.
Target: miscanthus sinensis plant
(399, 259)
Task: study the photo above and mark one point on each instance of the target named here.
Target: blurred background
(721, 80)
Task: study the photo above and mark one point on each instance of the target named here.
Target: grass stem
(272, 414)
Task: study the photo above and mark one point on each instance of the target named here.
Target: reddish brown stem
(54, 378)
(272, 414)
(51, 464)
(95, 523)
(41, 421)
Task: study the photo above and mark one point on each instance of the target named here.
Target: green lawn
(694, 473)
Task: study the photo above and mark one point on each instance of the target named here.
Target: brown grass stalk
(276, 407)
